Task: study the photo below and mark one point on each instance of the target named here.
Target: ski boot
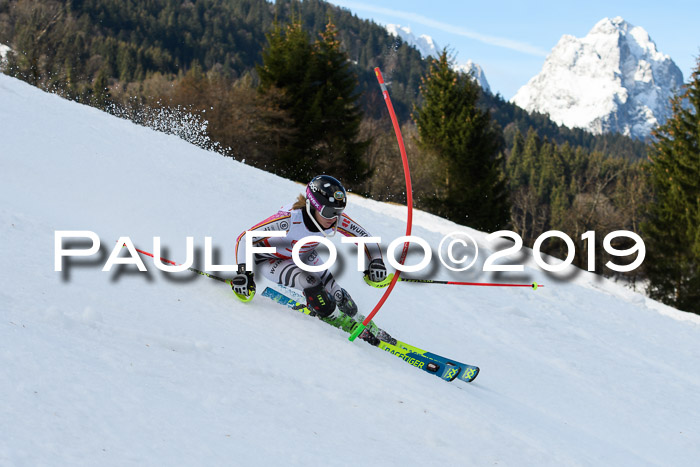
(345, 316)
(371, 334)
(345, 303)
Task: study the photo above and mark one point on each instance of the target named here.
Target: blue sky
(511, 39)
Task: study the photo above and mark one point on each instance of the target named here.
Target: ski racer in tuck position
(317, 213)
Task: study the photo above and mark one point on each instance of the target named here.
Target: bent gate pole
(409, 204)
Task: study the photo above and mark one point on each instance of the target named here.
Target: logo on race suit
(284, 225)
(274, 266)
(345, 222)
(360, 233)
(339, 195)
(312, 257)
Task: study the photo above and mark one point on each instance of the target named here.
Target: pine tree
(318, 89)
(100, 91)
(285, 68)
(672, 234)
(450, 125)
(530, 210)
(341, 114)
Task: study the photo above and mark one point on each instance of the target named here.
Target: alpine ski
(442, 367)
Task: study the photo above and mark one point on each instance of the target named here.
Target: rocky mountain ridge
(612, 80)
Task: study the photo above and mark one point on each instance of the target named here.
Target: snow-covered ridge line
(427, 47)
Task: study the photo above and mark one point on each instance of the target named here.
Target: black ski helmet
(326, 195)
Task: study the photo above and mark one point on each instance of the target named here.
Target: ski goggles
(327, 212)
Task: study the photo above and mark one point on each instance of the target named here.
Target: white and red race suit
(279, 266)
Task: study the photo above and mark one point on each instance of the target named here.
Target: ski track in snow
(129, 368)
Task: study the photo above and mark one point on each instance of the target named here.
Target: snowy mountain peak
(612, 80)
(476, 71)
(428, 47)
(610, 26)
(424, 44)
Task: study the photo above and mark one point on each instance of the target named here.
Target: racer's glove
(244, 282)
(376, 272)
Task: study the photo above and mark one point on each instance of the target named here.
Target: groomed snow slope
(130, 368)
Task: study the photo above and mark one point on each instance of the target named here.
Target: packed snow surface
(612, 80)
(132, 368)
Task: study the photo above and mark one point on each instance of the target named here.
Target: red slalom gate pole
(409, 204)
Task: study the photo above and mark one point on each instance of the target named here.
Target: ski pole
(534, 285)
(385, 282)
(189, 269)
(203, 273)
(409, 204)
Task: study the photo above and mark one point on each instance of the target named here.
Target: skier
(318, 213)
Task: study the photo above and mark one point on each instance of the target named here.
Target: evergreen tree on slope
(473, 190)
(672, 234)
(318, 91)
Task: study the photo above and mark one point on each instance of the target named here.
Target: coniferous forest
(289, 87)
